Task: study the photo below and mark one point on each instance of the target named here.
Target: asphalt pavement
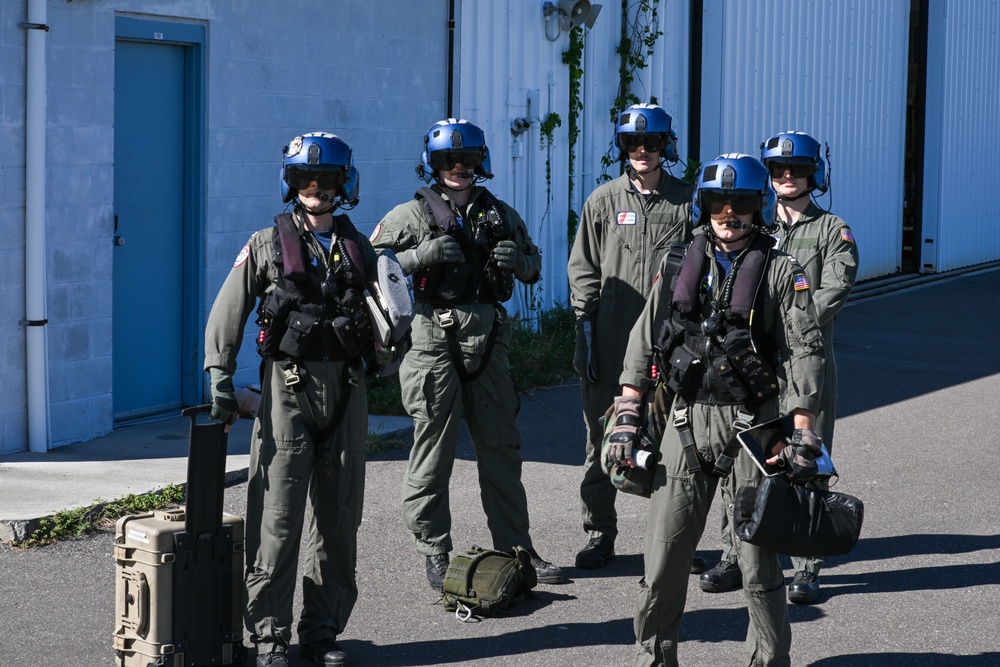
(917, 426)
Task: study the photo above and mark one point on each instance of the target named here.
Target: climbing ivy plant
(546, 130)
(573, 58)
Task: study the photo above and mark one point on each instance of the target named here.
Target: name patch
(626, 217)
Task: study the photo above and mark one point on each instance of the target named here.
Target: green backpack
(486, 582)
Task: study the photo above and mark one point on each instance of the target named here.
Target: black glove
(626, 431)
(800, 454)
(437, 250)
(510, 258)
(583, 360)
(225, 407)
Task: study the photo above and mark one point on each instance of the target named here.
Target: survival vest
(705, 350)
(305, 319)
(478, 278)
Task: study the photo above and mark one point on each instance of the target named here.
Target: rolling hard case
(179, 573)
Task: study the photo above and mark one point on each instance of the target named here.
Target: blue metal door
(149, 181)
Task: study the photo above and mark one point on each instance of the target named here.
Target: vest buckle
(445, 317)
(291, 374)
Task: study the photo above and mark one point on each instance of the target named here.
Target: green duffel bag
(486, 582)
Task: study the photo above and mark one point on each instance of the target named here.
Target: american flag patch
(845, 233)
(801, 282)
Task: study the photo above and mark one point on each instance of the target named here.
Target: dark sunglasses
(741, 204)
(301, 178)
(445, 160)
(653, 143)
(797, 169)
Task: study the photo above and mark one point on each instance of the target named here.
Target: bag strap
(446, 319)
(294, 380)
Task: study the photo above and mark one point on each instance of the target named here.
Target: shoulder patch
(376, 232)
(800, 281)
(626, 217)
(242, 257)
(845, 233)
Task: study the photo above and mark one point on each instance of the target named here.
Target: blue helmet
(646, 119)
(736, 173)
(447, 137)
(797, 148)
(320, 152)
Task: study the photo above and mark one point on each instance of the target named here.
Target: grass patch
(541, 358)
(544, 358)
(85, 520)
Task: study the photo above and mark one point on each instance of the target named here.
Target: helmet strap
(806, 193)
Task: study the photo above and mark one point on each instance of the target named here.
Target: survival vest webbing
(304, 320)
(705, 348)
(477, 279)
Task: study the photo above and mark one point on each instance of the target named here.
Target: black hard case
(179, 573)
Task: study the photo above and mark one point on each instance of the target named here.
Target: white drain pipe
(36, 322)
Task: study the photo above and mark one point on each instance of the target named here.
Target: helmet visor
(797, 169)
(742, 204)
(445, 160)
(326, 177)
(652, 142)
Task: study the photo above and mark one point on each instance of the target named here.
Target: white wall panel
(508, 70)
(834, 69)
(961, 217)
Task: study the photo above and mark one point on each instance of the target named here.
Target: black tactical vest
(706, 350)
(308, 317)
(477, 279)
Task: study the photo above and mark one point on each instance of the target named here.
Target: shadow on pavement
(909, 660)
(521, 642)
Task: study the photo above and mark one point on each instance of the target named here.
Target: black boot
(545, 572)
(325, 653)
(698, 565)
(436, 566)
(599, 550)
(722, 578)
(804, 588)
(276, 659)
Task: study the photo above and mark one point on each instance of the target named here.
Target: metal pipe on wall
(36, 322)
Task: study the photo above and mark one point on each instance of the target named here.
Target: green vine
(546, 131)
(640, 30)
(573, 58)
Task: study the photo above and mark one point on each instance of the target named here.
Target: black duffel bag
(797, 521)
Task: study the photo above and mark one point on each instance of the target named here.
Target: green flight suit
(621, 239)
(680, 500)
(435, 396)
(288, 467)
(824, 246)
